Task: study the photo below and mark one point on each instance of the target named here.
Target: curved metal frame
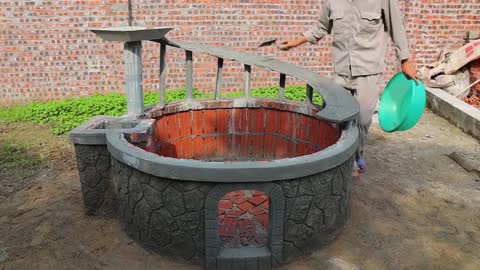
(339, 105)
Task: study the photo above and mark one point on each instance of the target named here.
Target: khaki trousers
(366, 90)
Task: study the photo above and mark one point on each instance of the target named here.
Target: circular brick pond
(246, 183)
(230, 185)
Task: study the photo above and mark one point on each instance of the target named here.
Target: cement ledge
(232, 172)
(459, 113)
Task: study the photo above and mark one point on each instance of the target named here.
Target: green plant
(66, 114)
(14, 155)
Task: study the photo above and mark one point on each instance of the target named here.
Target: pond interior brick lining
(239, 134)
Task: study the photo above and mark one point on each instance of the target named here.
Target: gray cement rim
(232, 172)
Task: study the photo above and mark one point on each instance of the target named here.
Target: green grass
(64, 115)
(14, 155)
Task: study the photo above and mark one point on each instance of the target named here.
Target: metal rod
(133, 77)
(130, 13)
(309, 98)
(467, 88)
(162, 84)
(219, 78)
(281, 90)
(189, 74)
(248, 75)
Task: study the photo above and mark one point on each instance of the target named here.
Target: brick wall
(47, 53)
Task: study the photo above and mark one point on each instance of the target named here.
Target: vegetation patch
(64, 115)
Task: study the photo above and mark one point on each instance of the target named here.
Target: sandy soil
(414, 209)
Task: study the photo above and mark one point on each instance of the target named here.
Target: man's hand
(409, 69)
(292, 43)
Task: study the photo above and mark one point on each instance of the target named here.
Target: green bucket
(402, 104)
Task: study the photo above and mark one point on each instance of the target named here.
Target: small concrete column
(133, 78)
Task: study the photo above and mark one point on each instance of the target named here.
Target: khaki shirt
(359, 29)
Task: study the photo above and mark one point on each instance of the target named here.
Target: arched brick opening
(261, 257)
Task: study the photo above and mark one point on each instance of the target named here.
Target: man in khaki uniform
(359, 29)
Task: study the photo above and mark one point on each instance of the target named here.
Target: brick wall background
(46, 51)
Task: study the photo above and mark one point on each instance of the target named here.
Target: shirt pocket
(337, 18)
(371, 21)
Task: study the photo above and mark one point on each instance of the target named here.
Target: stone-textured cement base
(93, 163)
(178, 218)
(459, 113)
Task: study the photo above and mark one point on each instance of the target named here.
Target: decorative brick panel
(243, 219)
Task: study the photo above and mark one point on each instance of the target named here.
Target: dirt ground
(414, 209)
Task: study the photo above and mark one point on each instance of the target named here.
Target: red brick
(245, 206)
(238, 199)
(283, 123)
(185, 124)
(310, 149)
(245, 146)
(323, 130)
(163, 150)
(237, 193)
(234, 213)
(209, 121)
(257, 120)
(304, 127)
(223, 120)
(209, 147)
(265, 205)
(175, 149)
(269, 147)
(239, 116)
(174, 126)
(314, 134)
(197, 123)
(246, 228)
(301, 149)
(257, 193)
(258, 211)
(263, 219)
(281, 150)
(198, 147)
(257, 200)
(227, 227)
(290, 149)
(161, 129)
(256, 151)
(222, 146)
(188, 148)
(271, 121)
(236, 146)
(224, 204)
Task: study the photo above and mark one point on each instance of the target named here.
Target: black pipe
(130, 13)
